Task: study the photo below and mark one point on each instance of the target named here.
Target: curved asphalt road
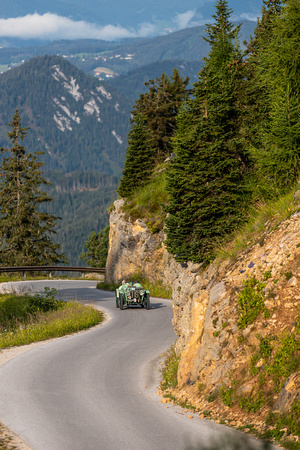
(97, 389)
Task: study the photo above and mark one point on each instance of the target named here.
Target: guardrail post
(50, 274)
(24, 275)
(83, 275)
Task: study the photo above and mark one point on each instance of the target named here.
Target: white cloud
(183, 20)
(251, 17)
(51, 26)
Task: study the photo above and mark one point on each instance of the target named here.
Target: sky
(52, 26)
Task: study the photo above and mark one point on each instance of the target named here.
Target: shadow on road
(138, 307)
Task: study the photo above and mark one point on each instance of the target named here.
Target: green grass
(104, 286)
(169, 372)
(18, 276)
(251, 302)
(264, 217)
(27, 319)
(148, 201)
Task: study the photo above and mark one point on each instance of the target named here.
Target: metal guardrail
(51, 269)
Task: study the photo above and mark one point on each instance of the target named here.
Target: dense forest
(233, 138)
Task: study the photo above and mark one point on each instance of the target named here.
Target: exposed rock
(214, 349)
(289, 394)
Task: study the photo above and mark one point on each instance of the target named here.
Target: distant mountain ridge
(76, 119)
(81, 124)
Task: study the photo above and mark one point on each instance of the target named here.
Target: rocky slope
(237, 322)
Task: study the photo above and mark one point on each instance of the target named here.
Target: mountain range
(81, 126)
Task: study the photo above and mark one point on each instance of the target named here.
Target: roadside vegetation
(262, 219)
(30, 318)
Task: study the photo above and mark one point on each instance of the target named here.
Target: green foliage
(16, 310)
(170, 369)
(265, 348)
(156, 288)
(153, 126)
(147, 202)
(288, 275)
(289, 420)
(252, 403)
(279, 158)
(97, 248)
(70, 318)
(251, 302)
(265, 215)
(208, 197)
(228, 396)
(267, 275)
(24, 230)
(82, 202)
(285, 360)
(105, 286)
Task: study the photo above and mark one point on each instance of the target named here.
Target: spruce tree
(279, 158)
(24, 228)
(257, 89)
(206, 183)
(97, 248)
(139, 156)
(153, 126)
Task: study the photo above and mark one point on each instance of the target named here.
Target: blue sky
(109, 19)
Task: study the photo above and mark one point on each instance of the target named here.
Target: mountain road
(97, 389)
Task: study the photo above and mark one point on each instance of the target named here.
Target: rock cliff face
(224, 348)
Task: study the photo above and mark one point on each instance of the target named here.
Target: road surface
(97, 389)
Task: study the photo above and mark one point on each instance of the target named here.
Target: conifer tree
(139, 156)
(207, 196)
(24, 228)
(257, 88)
(153, 126)
(97, 248)
(279, 158)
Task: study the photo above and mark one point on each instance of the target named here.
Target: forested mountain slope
(82, 126)
(72, 116)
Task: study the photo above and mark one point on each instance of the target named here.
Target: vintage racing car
(132, 294)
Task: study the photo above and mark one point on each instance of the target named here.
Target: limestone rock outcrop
(214, 349)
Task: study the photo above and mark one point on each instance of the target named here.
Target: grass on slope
(263, 218)
(25, 319)
(148, 201)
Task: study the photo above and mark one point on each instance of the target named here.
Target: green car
(132, 294)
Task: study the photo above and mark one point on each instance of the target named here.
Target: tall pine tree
(24, 228)
(206, 181)
(153, 126)
(278, 159)
(257, 88)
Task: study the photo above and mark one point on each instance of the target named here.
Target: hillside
(82, 126)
